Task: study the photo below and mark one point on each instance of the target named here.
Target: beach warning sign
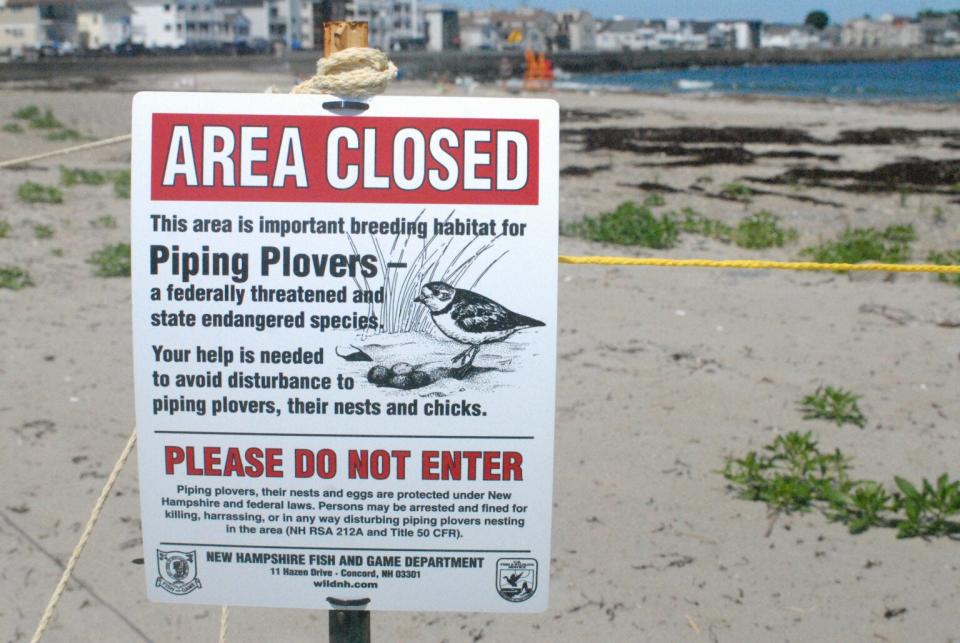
(344, 337)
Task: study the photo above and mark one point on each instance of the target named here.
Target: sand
(662, 373)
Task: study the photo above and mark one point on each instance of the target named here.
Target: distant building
(313, 14)
(442, 28)
(652, 35)
(887, 32)
(576, 31)
(102, 24)
(780, 36)
(393, 24)
(286, 22)
(30, 25)
(478, 31)
(254, 13)
(175, 23)
(941, 30)
(735, 34)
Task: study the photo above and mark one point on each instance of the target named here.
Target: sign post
(345, 351)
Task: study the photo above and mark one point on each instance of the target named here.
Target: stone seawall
(485, 65)
(482, 65)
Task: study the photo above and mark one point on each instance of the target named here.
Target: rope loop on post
(357, 71)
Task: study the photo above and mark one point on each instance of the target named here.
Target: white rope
(66, 150)
(84, 537)
(224, 616)
(357, 71)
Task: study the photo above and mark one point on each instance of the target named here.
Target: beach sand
(662, 373)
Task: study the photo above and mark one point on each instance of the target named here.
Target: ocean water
(914, 80)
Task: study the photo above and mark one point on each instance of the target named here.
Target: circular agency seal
(177, 571)
(516, 578)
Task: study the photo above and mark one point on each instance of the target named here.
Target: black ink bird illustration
(470, 318)
(513, 578)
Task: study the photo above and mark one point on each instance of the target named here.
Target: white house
(735, 34)
(622, 34)
(176, 23)
(781, 36)
(103, 23)
(477, 30)
(28, 25)
(576, 30)
(442, 27)
(888, 31)
(256, 14)
(393, 24)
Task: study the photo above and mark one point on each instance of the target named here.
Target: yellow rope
(84, 537)
(758, 264)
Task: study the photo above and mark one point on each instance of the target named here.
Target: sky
(767, 10)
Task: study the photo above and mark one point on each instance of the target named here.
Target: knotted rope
(357, 71)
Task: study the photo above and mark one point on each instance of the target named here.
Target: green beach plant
(654, 200)
(946, 258)
(106, 221)
(31, 192)
(27, 113)
(45, 121)
(111, 261)
(78, 176)
(737, 191)
(628, 225)
(792, 474)
(833, 404)
(762, 230)
(121, 184)
(856, 245)
(14, 278)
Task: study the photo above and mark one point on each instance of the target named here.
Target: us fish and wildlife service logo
(516, 578)
(178, 571)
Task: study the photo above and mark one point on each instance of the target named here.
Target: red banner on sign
(232, 157)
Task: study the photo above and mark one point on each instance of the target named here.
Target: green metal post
(349, 626)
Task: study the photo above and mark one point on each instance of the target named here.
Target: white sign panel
(344, 349)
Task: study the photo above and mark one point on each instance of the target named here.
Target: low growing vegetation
(833, 404)
(42, 120)
(107, 221)
(78, 176)
(31, 192)
(856, 245)
(947, 258)
(654, 200)
(121, 184)
(111, 261)
(636, 225)
(792, 474)
(14, 278)
(42, 231)
(27, 113)
(45, 121)
(737, 192)
(762, 230)
(66, 134)
(629, 225)
(4, 228)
